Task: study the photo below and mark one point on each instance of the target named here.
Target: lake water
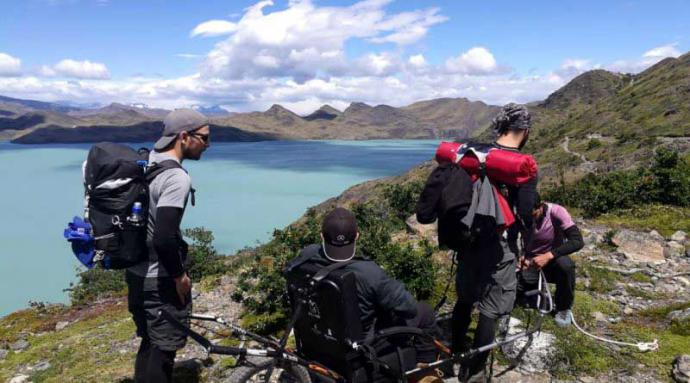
(244, 191)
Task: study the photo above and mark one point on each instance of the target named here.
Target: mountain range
(26, 121)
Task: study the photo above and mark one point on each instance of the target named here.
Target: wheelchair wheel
(259, 370)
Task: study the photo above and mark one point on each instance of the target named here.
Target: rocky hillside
(603, 121)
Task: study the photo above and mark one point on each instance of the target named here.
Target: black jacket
(380, 297)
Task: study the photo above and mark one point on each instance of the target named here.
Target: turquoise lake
(244, 191)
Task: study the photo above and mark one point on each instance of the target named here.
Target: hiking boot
(564, 318)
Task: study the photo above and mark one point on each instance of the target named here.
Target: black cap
(339, 229)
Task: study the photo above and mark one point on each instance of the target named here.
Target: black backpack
(115, 178)
(447, 195)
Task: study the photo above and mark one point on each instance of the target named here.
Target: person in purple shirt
(554, 237)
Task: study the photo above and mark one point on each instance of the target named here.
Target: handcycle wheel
(261, 367)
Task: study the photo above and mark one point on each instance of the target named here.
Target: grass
(664, 219)
(600, 280)
(87, 350)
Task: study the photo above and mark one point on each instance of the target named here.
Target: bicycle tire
(293, 373)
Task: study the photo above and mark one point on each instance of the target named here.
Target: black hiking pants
(159, 339)
(560, 271)
(486, 277)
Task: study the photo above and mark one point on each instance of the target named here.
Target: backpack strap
(157, 168)
(323, 273)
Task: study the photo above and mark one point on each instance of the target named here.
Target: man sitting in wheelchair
(354, 299)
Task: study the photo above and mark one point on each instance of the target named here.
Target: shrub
(593, 144)
(402, 198)
(667, 181)
(204, 260)
(95, 284)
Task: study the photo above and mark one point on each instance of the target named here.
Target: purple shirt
(548, 234)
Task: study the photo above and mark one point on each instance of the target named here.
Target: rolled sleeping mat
(504, 166)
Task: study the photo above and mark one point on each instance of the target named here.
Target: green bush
(402, 198)
(95, 284)
(593, 144)
(667, 181)
(204, 260)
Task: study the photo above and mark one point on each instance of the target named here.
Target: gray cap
(177, 121)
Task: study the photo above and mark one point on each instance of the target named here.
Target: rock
(42, 366)
(19, 345)
(656, 235)
(3, 354)
(679, 315)
(639, 247)
(538, 357)
(599, 316)
(683, 280)
(679, 236)
(674, 249)
(20, 379)
(429, 232)
(681, 369)
(61, 325)
(627, 311)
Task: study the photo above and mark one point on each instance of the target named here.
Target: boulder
(639, 247)
(3, 354)
(679, 315)
(539, 355)
(19, 345)
(429, 231)
(20, 379)
(679, 236)
(674, 249)
(681, 369)
(42, 366)
(61, 325)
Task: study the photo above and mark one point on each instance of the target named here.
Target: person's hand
(523, 263)
(183, 285)
(542, 260)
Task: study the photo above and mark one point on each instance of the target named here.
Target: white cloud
(662, 52)
(305, 41)
(9, 66)
(189, 55)
(417, 60)
(648, 59)
(476, 61)
(213, 28)
(76, 69)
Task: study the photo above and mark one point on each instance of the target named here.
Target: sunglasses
(204, 137)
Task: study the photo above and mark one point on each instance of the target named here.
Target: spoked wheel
(265, 370)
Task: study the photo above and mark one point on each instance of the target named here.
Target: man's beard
(190, 154)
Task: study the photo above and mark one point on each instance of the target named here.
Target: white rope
(641, 346)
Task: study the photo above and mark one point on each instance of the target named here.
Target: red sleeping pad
(503, 166)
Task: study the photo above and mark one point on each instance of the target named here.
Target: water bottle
(136, 218)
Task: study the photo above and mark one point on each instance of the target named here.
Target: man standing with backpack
(486, 252)
(486, 267)
(161, 281)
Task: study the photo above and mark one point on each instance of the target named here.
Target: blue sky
(246, 55)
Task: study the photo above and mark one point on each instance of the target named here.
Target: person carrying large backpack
(473, 212)
(160, 281)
